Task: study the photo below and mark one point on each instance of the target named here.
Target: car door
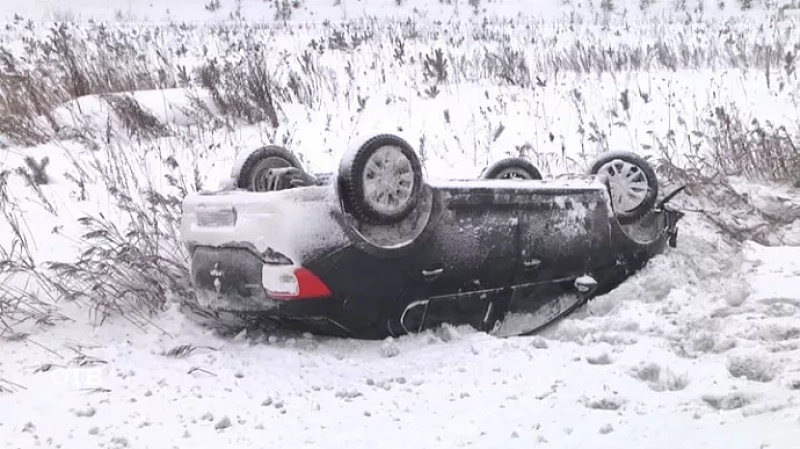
(467, 264)
(564, 232)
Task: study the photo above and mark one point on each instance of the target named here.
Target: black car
(375, 250)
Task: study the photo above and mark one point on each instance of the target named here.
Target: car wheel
(254, 173)
(632, 184)
(511, 168)
(380, 180)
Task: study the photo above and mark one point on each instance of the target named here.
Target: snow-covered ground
(701, 349)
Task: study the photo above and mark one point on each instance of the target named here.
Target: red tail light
(288, 282)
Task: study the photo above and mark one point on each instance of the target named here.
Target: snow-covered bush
(659, 378)
(752, 367)
(131, 270)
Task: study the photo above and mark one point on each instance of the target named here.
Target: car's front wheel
(380, 180)
(632, 184)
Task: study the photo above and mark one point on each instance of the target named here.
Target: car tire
(392, 195)
(512, 168)
(632, 184)
(253, 172)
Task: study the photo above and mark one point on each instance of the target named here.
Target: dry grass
(136, 119)
(602, 359)
(660, 379)
(730, 401)
(65, 62)
(132, 262)
(21, 298)
(130, 271)
(753, 368)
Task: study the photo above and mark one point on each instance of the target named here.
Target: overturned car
(375, 250)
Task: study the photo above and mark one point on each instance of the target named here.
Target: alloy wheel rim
(388, 180)
(628, 184)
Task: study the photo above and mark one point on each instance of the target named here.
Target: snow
(167, 105)
(700, 349)
(294, 222)
(544, 186)
(524, 323)
(655, 368)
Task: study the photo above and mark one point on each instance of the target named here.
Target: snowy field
(699, 350)
(134, 103)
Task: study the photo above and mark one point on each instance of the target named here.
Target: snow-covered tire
(632, 184)
(376, 193)
(512, 168)
(252, 175)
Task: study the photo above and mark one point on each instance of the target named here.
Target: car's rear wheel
(380, 180)
(632, 183)
(254, 174)
(512, 168)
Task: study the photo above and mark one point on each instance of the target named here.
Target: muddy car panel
(486, 249)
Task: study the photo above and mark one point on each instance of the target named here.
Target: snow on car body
(378, 251)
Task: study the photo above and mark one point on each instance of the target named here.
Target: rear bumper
(228, 279)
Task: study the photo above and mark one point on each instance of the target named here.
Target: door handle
(531, 264)
(586, 284)
(430, 275)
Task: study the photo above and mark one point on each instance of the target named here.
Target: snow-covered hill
(701, 349)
